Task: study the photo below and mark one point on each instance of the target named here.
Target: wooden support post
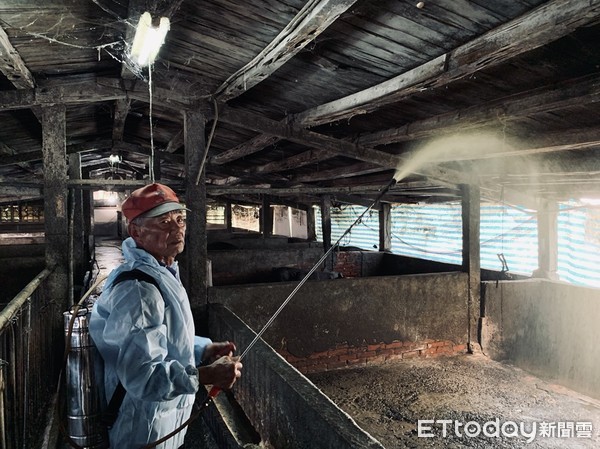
(88, 223)
(54, 149)
(156, 170)
(385, 227)
(266, 217)
(195, 195)
(311, 225)
(547, 221)
(471, 261)
(228, 217)
(326, 228)
(77, 234)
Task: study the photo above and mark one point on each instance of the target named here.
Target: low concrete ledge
(286, 409)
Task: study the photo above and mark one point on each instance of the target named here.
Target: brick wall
(345, 356)
(349, 263)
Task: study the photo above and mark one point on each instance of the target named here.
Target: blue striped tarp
(434, 232)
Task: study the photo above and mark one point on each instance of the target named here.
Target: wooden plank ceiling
(312, 98)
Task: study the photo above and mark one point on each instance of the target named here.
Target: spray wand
(214, 391)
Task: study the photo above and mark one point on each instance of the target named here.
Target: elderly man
(144, 330)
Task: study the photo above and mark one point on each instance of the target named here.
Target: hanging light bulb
(148, 39)
(114, 159)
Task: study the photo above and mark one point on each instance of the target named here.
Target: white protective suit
(147, 342)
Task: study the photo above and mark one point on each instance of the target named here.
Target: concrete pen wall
(547, 328)
(341, 322)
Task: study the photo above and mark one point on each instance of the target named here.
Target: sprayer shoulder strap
(138, 275)
(112, 410)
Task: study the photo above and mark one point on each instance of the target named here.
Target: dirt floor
(389, 400)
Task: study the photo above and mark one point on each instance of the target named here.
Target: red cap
(151, 201)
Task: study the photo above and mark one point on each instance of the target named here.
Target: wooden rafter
(120, 115)
(545, 24)
(539, 27)
(334, 146)
(12, 65)
(310, 22)
(501, 112)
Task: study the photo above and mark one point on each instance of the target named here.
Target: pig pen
(380, 404)
(391, 350)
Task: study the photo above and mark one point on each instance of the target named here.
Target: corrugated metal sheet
(434, 232)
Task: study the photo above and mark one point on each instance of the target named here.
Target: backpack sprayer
(86, 429)
(83, 382)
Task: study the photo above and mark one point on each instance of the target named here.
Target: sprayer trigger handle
(214, 391)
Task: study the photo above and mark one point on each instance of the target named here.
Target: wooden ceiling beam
(494, 113)
(538, 167)
(28, 156)
(358, 169)
(335, 146)
(245, 149)
(176, 142)
(97, 90)
(309, 157)
(301, 190)
(121, 110)
(12, 65)
(75, 94)
(310, 22)
(541, 26)
(563, 95)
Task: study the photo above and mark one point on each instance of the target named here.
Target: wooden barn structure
(302, 104)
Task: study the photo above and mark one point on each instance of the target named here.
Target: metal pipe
(8, 313)
(71, 237)
(12, 368)
(26, 370)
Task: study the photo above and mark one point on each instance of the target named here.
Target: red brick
(348, 357)
(317, 355)
(410, 354)
(374, 347)
(338, 352)
(385, 351)
(394, 345)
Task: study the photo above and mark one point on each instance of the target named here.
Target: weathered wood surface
(311, 21)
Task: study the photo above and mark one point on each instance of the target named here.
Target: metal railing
(31, 346)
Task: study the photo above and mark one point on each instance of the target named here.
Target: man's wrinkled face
(162, 236)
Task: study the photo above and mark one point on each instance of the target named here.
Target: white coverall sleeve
(200, 344)
(138, 327)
